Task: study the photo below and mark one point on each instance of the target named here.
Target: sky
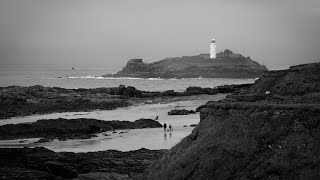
(110, 32)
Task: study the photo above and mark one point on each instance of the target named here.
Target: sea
(89, 76)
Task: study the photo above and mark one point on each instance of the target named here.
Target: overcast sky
(112, 31)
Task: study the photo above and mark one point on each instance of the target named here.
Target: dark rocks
(147, 123)
(22, 101)
(24, 173)
(181, 112)
(103, 176)
(60, 169)
(69, 128)
(41, 163)
(44, 140)
(131, 92)
(170, 93)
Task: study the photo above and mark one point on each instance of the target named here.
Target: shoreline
(158, 107)
(24, 101)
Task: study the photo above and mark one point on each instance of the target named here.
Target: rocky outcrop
(226, 65)
(298, 84)
(63, 129)
(180, 112)
(40, 163)
(253, 134)
(297, 80)
(23, 101)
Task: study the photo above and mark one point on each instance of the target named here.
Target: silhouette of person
(165, 127)
(170, 127)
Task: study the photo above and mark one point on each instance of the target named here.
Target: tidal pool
(124, 140)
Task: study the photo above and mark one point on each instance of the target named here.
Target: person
(165, 127)
(170, 127)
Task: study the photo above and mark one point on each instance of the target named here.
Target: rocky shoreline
(41, 163)
(63, 129)
(24, 101)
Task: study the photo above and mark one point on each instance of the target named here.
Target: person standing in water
(170, 127)
(165, 127)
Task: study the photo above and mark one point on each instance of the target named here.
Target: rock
(147, 123)
(22, 101)
(192, 112)
(60, 169)
(194, 90)
(103, 176)
(41, 163)
(193, 125)
(169, 93)
(24, 173)
(132, 92)
(180, 112)
(44, 140)
(63, 129)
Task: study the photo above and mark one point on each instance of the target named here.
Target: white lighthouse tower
(213, 53)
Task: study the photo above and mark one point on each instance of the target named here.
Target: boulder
(194, 90)
(44, 140)
(181, 112)
(131, 91)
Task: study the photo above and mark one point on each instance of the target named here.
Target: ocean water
(89, 76)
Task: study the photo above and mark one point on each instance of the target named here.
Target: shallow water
(151, 138)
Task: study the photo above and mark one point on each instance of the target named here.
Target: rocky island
(226, 65)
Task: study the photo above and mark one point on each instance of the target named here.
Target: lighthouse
(213, 49)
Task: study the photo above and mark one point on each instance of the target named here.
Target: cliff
(226, 65)
(271, 132)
